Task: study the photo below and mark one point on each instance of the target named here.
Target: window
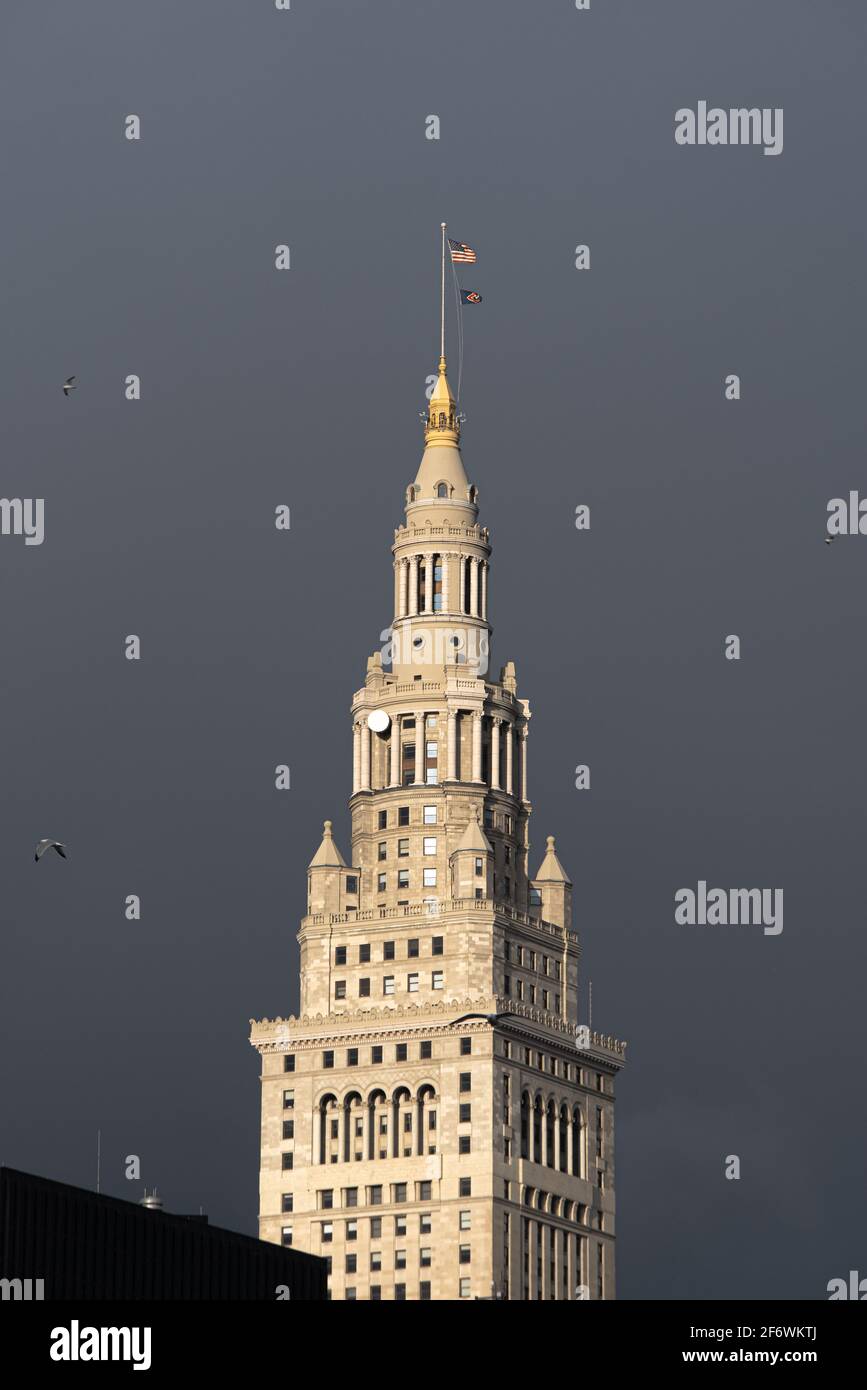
(480, 892)
(425, 1051)
(375, 1227)
(430, 815)
(352, 1230)
(407, 1123)
(464, 1144)
(424, 1257)
(489, 818)
(380, 883)
(364, 988)
(400, 1293)
(288, 1203)
(351, 1263)
(403, 878)
(430, 844)
(465, 1288)
(340, 955)
(349, 1294)
(352, 1057)
(465, 1187)
(286, 1235)
(507, 984)
(288, 1100)
(289, 1062)
(412, 947)
(374, 1198)
(383, 820)
(327, 1232)
(424, 1291)
(400, 1259)
(288, 1129)
(412, 984)
(437, 979)
(429, 878)
(376, 1259)
(436, 946)
(535, 897)
(400, 1052)
(403, 849)
(388, 984)
(403, 815)
(465, 1221)
(400, 1225)
(465, 1254)
(425, 1191)
(546, 999)
(287, 1163)
(399, 1193)
(480, 866)
(326, 1198)
(466, 1083)
(388, 950)
(425, 1223)
(382, 850)
(465, 1114)
(328, 1059)
(376, 1293)
(466, 1046)
(376, 1054)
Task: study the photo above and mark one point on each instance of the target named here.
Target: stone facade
(436, 1122)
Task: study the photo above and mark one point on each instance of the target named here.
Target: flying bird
(68, 386)
(829, 539)
(45, 845)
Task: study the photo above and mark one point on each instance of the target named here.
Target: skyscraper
(435, 1122)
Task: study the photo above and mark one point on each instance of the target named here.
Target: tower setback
(436, 1123)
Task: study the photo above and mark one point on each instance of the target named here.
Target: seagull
(829, 539)
(68, 386)
(45, 845)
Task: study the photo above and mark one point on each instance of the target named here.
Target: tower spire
(442, 425)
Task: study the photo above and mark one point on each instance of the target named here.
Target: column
(413, 585)
(474, 587)
(510, 744)
(365, 756)
(404, 586)
(356, 757)
(484, 600)
(546, 1260)
(522, 733)
(452, 746)
(397, 588)
(495, 753)
(532, 1237)
(445, 561)
(419, 747)
(394, 778)
(462, 583)
(428, 583)
(477, 745)
(557, 1252)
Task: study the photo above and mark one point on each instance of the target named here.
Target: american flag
(461, 252)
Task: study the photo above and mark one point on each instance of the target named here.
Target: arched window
(426, 1125)
(327, 1113)
(352, 1111)
(442, 489)
(525, 1126)
(550, 1122)
(473, 494)
(576, 1143)
(398, 1134)
(377, 1135)
(564, 1138)
(537, 1131)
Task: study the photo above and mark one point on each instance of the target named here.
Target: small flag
(461, 252)
(470, 297)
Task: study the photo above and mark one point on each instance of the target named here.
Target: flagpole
(443, 294)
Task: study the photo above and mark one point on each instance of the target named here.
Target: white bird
(45, 845)
(829, 539)
(68, 386)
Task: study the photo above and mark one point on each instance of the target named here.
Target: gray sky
(303, 388)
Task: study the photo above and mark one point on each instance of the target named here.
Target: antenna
(590, 1005)
(98, 1155)
(443, 294)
